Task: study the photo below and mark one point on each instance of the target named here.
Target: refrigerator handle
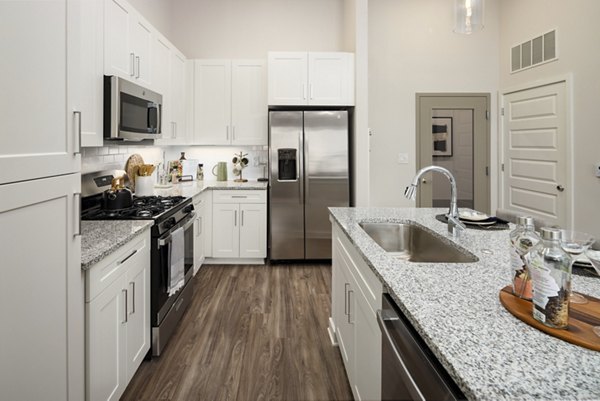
(300, 166)
(306, 182)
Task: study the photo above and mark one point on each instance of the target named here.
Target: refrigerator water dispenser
(287, 164)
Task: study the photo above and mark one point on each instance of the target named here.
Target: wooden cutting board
(582, 318)
(131, 168)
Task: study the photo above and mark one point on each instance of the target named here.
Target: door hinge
(487, 171)
(487, 115)
(502, 166)
(502, 111)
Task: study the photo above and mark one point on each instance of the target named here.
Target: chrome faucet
(455, 226)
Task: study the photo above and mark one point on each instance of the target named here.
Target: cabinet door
(107, 353)
(178, 96)
(212, 102)
(248, 102)
(138, 312)
(367, 350)
(38, 137)
(331, 79)
(90, 81)
(253, 230)
(119, 58)
(161, 67)
(41, 290)
(288, 78)
(226, 240)
(199, 234)
(141, 44)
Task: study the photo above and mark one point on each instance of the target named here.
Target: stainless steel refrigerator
(309, 172)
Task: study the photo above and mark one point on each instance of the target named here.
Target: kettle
(117, 197)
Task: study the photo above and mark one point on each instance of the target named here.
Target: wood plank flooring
(251, 333)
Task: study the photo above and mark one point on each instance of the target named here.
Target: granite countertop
(193, 188)
(101, 238)
(455, 307)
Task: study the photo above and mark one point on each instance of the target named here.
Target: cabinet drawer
(239, 196)
(105, 272)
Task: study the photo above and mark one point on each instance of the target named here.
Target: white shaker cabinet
(239, 224)
(356, 296)
(128, 46)
(314, 78)
(41, 290)
(230, 106)
(39, 136)
(118, 318)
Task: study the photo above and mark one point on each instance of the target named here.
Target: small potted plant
(240, 161)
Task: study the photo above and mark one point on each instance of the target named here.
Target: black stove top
(143, 208)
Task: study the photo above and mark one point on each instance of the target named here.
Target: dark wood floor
(251, 333)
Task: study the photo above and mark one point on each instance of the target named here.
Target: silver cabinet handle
(386, 337)
(125, 292)
(242, 218)
(127, 257)
(137, 59)
(239, 196)
(346, 285)
(132, 62)
(233, 132)
(311, 91)
(227, 132)
(77, 210)
(132, 297)
(235, 218)
(304, 91)
(173, 132)
(78, 114)
(349, 310)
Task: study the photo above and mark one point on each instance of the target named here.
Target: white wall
(248, 29)
(158, 13)
(578, 31)
(412, 49)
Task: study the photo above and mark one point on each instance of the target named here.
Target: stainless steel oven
(409, 370)
(130, 111)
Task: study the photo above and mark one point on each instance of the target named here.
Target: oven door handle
(184, 224)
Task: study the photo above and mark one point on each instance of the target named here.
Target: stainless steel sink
(411, 242)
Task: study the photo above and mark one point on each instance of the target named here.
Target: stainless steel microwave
(130, 111)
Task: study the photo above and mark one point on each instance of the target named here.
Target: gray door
(326, 179)
(286, 197)
(453, 132)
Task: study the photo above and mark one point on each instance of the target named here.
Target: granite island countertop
(100, 238)
(455, 307)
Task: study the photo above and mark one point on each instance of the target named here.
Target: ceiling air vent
(536, 51)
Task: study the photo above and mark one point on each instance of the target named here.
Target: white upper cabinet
(161, 54)
(128, 47)
(318, 79)
(39, 136)
(179, 96)
(230, 105)
(248, 102)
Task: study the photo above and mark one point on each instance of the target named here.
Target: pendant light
(468, 16)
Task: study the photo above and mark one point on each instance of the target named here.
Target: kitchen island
(455, 308)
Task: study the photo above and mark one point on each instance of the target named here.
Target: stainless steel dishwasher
(409, 370)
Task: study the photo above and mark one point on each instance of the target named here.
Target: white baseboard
(234, 261)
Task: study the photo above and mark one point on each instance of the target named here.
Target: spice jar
(522, 239)
(550, 269)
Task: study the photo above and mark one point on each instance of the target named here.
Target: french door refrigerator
(309, 172)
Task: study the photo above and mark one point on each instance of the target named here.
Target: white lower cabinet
(118, 319)
(356, 296)
(200, 230)
(239, 224)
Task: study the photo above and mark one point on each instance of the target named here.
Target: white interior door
(535, 164)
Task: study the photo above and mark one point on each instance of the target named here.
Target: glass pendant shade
(468, 16)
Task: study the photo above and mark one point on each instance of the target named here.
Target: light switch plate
(402, 158)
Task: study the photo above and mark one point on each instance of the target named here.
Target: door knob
(560, 188)
(424, 181)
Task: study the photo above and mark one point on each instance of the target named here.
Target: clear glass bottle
(522, 239)
(550, 269)
(200, 172)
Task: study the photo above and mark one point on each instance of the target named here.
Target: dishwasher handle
(406, 377)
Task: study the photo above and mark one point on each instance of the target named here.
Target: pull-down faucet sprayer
(454, 223)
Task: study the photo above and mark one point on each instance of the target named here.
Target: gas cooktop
(143, 208)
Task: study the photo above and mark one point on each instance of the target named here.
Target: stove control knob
(189, 209)
(169, 223)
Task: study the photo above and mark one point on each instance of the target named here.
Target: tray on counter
(582, 318)
(491, 223)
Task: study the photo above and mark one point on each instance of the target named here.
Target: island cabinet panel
(356, 296)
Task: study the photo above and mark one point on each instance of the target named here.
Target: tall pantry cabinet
(41, 285)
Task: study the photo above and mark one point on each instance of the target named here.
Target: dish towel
(177, 266)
